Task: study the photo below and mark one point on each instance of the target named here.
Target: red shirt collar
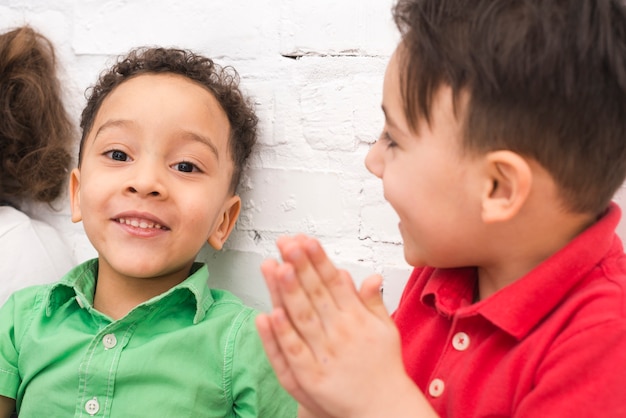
(519, 307)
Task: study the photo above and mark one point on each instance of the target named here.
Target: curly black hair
(222, 82)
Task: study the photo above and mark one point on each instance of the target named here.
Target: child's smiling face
(153, 186)
(433, 186)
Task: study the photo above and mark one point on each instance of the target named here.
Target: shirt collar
(448, 290)
(80, 283)
(519, 307)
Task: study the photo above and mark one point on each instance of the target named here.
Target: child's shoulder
(18, 312)
(603, 289)
(229, 321)
(225, 296)
(226, 303)
(30, 297)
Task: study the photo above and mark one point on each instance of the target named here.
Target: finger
(274, 353)
(268, 269)
(300, 311)
(314, 286)
(320, 261)
(285, 241)
(372, 297)
(283, 372)
(338, 283)
(297, 354)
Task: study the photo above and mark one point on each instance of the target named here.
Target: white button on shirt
(460, 341)
(92, 406)
(109, 341)
(436, 387)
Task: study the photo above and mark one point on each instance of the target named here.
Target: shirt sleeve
(9, 375)
(582, 377)
(255, 388)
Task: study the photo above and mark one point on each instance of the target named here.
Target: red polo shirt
(552, 344)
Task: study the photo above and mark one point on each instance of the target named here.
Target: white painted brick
(395, 279)
(336, 96)
(53, 23)
(288, 201)
(237, 28)
(10, 17)
(379, 222)
(330, 27)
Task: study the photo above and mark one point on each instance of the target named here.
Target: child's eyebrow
(185, 134)
(202, 139)
(111, 124)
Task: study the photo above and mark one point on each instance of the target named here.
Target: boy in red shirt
(504, 143)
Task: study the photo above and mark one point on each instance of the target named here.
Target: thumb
(372, 297)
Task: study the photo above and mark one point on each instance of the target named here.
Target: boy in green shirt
(137, 332)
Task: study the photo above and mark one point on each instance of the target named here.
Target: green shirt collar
(80, 283)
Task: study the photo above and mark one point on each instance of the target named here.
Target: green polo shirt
(190, 352)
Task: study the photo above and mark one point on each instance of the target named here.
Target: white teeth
(139, 224)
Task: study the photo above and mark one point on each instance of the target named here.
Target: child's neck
(530, 247)
(116, 295)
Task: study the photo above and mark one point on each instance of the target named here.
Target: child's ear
(230, 213)
(75, 195)
(507, 187)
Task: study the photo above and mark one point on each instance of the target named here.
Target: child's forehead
(166, 92)
(160, 103)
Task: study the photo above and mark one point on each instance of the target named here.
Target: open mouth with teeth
(141, 223)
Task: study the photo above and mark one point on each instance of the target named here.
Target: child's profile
(503, 145)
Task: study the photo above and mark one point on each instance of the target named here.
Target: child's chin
(414, 259)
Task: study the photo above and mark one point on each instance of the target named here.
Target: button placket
(97, 371)
(458, 342)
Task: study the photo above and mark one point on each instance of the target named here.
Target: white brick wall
(319, 114)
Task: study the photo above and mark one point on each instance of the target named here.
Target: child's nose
(374, 160)
(147, 180)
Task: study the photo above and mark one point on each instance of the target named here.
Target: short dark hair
(222, 82)
(545, 79)
(36, 133)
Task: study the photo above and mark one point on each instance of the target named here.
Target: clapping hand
(335, 349)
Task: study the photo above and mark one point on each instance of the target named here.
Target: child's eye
(117, 155)
(388, 140)
(185, 167)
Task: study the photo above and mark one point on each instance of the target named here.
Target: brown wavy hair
(545, 78)
(222, 82)
(36, 132)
